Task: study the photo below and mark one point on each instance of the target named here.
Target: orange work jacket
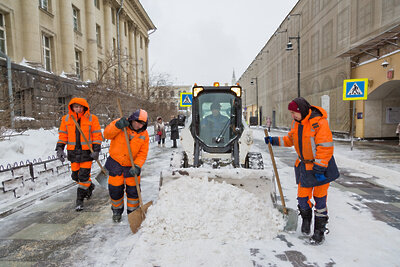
(89, 125)
(139, 143)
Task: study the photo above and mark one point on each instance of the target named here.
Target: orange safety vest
(89, 125)
(139, 143)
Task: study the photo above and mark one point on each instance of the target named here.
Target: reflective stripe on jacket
(313, 142)
(139, 143)
(89, 125)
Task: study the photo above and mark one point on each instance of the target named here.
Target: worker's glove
(320, 177)
(122, 123)
(319, 172)
(268, 140)
(272, 140)
(135, 170)
(61, 155)
(95, 155)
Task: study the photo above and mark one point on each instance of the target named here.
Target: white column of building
(107, 29)
(31, 32)
(91, 46)
(67, 37)
(136, 59)
(146, 60)
(132, 57)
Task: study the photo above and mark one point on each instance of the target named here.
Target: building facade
(338, 40)
(77, 37)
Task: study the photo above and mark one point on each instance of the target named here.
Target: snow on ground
(198, 223)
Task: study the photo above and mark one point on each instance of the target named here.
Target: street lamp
(289, 47)
(258, 121)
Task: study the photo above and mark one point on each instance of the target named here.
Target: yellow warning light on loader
(197, 90)
(216, 84)
(236, 90)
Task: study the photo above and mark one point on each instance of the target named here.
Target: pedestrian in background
(159, 129)
(173, 123)
(121, 172)
(268, 123)
(77, 149)
(398, 132)
(315, 166)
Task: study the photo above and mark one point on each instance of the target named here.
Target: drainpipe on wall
(10, 92)
(118, 44)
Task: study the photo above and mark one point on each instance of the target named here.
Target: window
(44, 4)
(126, 28)
(141, 64)
(99, 69)
(98, 35)
(113, 15)
(3, 40)
(76, 18)
(97, 4)
(47, 52)
(141, 42)
(327, 39)
(343, 26)
(114, 47)
(78, 63)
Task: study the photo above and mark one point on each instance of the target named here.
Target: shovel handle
(271, 153)
(131, 158)
(87, 142)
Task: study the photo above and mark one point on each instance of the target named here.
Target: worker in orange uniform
(78, 150)
(315, 166)
(121, 172)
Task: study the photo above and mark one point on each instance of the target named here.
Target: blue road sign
(186, 99)
(355, 89)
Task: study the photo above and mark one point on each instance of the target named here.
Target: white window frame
(47, 60)
(78, 63)
(3, 30)
(98, 35)
(76, 18)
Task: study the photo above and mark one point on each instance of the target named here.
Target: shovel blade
(136, 217)
(291, 218)
(102, 179)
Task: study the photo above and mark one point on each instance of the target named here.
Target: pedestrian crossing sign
(355, 89)
(186, 99)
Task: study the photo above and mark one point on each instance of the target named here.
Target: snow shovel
(137, 216)
(102, 177)
(291, 214)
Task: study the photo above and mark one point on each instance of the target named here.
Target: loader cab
(216, 120)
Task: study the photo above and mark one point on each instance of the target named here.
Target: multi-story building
(77, 37)
(338, 40)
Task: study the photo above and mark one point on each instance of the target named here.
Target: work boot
(80, 195)
(89, 191)
(319, 230)
(306, 215)
(117, 215)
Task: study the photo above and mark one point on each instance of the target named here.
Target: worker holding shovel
(83, 145)
(315, 166)
(121, 171)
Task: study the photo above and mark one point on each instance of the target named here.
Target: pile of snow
(190, 208)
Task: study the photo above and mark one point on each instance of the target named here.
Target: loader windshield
(216, 122)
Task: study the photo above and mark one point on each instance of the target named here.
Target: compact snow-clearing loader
(215, 138)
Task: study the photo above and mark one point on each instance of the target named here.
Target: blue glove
(320, 177)
(268, 140)
(122, 123)
(135, 170)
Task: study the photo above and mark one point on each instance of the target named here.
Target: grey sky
(202, 41)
